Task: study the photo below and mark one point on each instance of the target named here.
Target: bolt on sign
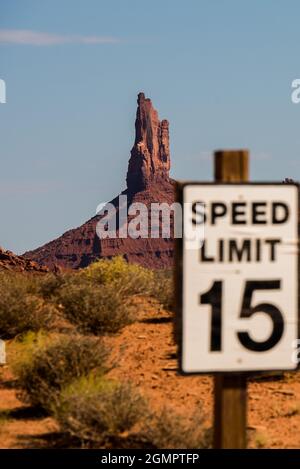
(238, 284)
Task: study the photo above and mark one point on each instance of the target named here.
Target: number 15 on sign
(240, 280)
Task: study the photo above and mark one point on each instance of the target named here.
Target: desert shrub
(21, 350)
(53, 365)
(101, 413)
(100, 298)
(167, 429)
(162, 288)
(95, 309)
(21, 309)
(97, 412)
(47, 285)
(130, 279)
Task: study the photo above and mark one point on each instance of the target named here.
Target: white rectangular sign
(240, 282)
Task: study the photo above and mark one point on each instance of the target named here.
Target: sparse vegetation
(51, 366)
(132, 279)
(100, 298)
(98, 412)
(47, 285)
(167, 429)
(97, 300)
(102, 413)
(21, 308)
(162, 288)
(65, 375)
(95, 309)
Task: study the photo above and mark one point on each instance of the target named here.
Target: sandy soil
(145, 354)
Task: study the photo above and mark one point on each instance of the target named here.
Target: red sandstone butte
(148, 182)
(150, 156)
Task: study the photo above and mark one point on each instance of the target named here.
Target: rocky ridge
(10, 261)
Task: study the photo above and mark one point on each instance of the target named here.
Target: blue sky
(219, 71)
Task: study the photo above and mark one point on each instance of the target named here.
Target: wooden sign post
(230, 391)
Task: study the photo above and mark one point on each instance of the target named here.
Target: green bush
(129, 279)
(132, 279)
(43, 373)
(21, 309)
(95, 309)
(98, 412)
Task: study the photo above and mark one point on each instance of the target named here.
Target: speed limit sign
(239, 277)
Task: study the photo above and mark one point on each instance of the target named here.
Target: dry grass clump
(95, 309)
(98, 412)
(21, 308)
(168, 430)
(162, 289)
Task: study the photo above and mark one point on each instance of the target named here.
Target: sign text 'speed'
(240, 213)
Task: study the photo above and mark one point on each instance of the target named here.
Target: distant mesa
(147, 181)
